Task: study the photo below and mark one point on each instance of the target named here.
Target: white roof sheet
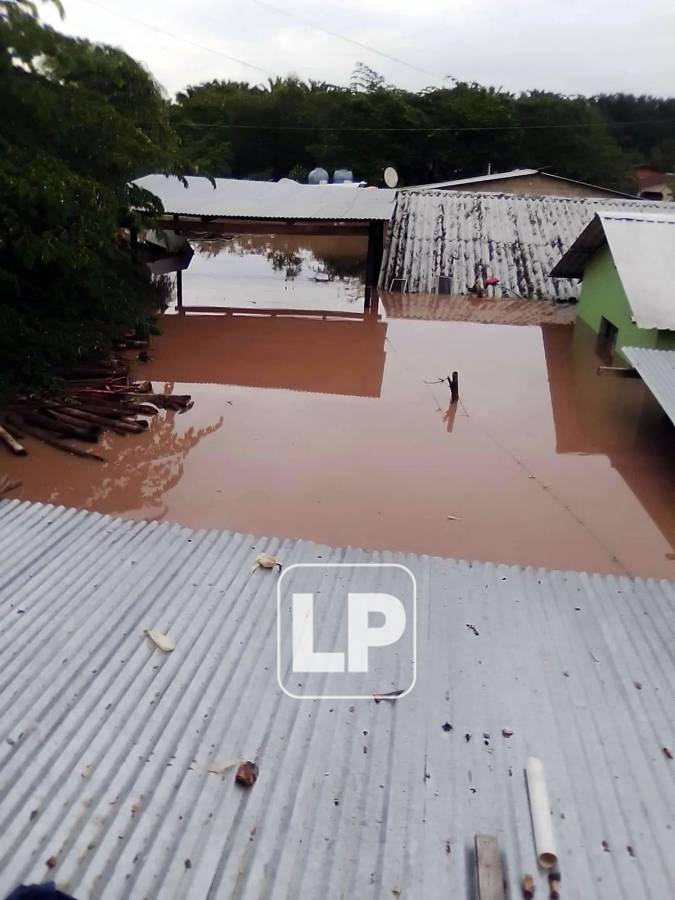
(643, 249)
(657, 370)
(106, 743)
(284, 199)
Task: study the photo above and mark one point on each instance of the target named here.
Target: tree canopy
(79, 122)
(288, 127)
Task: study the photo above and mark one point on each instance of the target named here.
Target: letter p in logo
(362, 635)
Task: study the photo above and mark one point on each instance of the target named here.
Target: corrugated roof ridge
(272, 541)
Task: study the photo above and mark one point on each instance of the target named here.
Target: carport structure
(197, 207)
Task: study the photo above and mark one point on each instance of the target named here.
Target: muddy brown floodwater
(335, 430)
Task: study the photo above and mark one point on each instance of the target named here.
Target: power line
(443, 129)
(178, 37)
(342, 37)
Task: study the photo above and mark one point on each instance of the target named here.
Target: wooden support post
(454, 387)
(179, 290)
(373, 263)
(489, 872)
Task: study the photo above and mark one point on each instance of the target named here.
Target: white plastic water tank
(318, 176)
(343, 176)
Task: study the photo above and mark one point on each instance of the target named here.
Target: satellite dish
(390, 177)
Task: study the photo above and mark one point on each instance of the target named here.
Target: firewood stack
(100, 397)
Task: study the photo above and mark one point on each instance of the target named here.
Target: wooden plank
(618, 371)
(489, 872)
(11, 442)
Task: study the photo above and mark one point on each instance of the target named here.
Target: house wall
(602, 294)
(535, 186)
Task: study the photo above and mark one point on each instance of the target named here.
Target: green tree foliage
(650, 138)
(269, 131)
(79, 122)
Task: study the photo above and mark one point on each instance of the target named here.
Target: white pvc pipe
(540, 810)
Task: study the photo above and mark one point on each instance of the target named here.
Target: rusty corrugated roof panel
(468, 236)
(284, 200)
(104, 782)
(657, 370)
(488, 310)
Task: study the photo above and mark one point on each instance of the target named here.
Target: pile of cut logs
(100, 397)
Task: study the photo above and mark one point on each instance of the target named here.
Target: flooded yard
(341, 430)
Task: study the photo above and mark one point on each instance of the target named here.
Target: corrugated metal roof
(106, 743)
(657, 370)
(514, 173)
(465, 236)
(284, 199)
(642, 245)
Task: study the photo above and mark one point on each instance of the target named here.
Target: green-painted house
(627, 263)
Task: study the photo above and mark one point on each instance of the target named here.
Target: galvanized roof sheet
(642, 245)
(104, 781)
(657, 370)
(465, 236)
(285, 199)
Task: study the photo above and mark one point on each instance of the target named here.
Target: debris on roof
(109, 747)
(657, 370)
(642, 245)
(285, 199)
(467, 237)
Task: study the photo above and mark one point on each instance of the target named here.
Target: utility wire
(341, 37)
(178, 37)
(444, 129)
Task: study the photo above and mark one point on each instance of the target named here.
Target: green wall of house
(602, 294)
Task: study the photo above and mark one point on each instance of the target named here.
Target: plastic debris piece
(667, 752)
(163, 641)
(392, 695)
(247, 774)
(454, 518)
(507, 732)
(446, 726)
(473, 628)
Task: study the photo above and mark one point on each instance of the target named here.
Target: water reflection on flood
(334, 430)
(277, 272)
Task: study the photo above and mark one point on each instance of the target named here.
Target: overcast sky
(570, 46)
